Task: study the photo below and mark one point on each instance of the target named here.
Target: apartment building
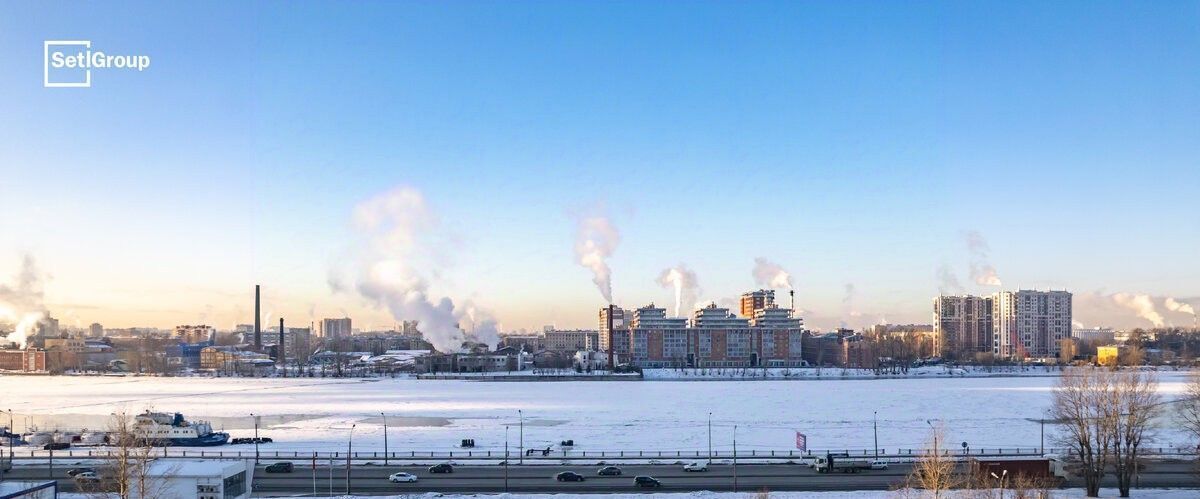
(962, 326)
(713, 337)
(569, 340)
(334, 329)
(1030, 323)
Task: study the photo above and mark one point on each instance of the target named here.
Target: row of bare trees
(1103, 416)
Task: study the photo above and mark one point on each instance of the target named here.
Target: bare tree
(1134, 404)
(1079, 407)
(1189, 410)
(935, 471)
(127, 471)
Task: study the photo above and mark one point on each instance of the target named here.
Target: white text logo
(69, 63)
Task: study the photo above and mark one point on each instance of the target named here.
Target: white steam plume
(684, 281)
(770, 274)
(1178, 306)
(1142, 305)
(595, 241)
(982, 272)
(398, 227)
(947, 280)
(21, 302)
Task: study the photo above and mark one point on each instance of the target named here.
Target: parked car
(282, 467)
(879, 464)
(75, 471)
(569, 476)
(609, 471)
(402, 477)
(696, 466)
(441, 468)
(646, 481)
(56, 446)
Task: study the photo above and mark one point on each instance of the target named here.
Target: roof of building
(196, 467)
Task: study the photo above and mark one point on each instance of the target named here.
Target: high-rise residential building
(95, 330)
(755, 300)
(195, 334)
(1030, 323)
(962, 326)
(336, 328)
(620, 331)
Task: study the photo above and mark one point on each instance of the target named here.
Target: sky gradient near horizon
(858, 145)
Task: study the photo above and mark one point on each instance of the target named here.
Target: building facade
(569, 340)
(714, 337)
(755, 300)
(1030, 323)
(962, 326)
(334, 329)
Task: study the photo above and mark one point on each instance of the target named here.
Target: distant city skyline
(522, 159)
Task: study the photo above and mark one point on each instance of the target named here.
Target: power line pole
(349, 451)
(385, 443)
(521, 444)
(710, 438)
(875, 428)
(735, 478)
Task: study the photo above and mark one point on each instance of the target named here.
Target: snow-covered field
(434, 415)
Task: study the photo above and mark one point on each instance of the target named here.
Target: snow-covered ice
(434, 415)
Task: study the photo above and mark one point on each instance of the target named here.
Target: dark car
(284, 467)
(609, 470)
(56, 446)
(569, 476)
(75, 471)
(441, 468)
(646, 481)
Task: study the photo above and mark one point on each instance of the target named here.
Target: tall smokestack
(792, 293)
(281, 352)
(257, 321)
(611, 366)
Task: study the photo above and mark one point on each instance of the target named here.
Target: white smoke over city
(21, 302)
(982, 272)
(596, 238)
(948, 282)
(399, 230)
(770, 274)
(686, 286)
(1177, 306)
(1142, 305)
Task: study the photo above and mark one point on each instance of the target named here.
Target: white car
(695, 467)
(878, 464)
(402, 477)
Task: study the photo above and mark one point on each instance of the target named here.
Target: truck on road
(840, 462)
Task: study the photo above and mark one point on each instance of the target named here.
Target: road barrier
(538, 455)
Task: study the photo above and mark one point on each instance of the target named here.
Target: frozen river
(423, 415)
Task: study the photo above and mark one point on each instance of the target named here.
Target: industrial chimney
(257, 321)
(281, 352)
(792, 292)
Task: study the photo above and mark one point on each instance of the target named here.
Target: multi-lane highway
(372, 480)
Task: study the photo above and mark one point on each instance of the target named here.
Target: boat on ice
(165, 429)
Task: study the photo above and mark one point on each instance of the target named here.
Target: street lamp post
(10, 444)
(385, 443)
(252, 415)
(521, 443)
(1003, 474)
(710, 438)
(875, 429)
(735, 477)
(506, 428)
(349, 451)
(931, 429)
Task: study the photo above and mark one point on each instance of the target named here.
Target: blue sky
(853, 143)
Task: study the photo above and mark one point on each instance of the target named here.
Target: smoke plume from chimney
(770, 274)
(399, 230)
(595, 241)
(684, 281)
(1142, 305)
(982, 272)
(21, 302)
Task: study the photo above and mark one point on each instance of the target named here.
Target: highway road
(372, 480)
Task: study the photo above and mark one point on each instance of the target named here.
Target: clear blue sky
(852, 142)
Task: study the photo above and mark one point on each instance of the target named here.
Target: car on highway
(696, 466)
(87, 477)
(879, 464)
(441, 468)
(402, 477)
(280, 467)
(569, 476)
(75, 471)
(646, 481)
(609, 471)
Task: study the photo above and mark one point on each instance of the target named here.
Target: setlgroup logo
(69, 63)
